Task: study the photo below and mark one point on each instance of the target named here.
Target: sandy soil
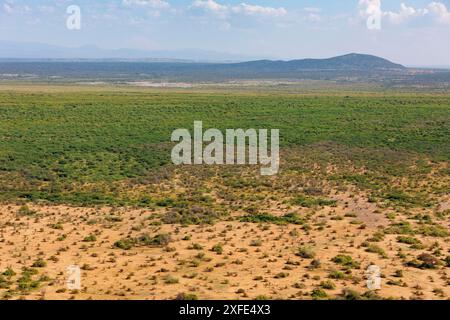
(257, 259)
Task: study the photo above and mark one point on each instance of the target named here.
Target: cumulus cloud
(404, 14)
(242, 8)
(440, 11)
(209, 5)
(153, 7)
(258, 10)
(436, 10)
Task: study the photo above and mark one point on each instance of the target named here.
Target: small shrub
(90, 238)
(402, 227)
(110, 218)
(398, 273)
(314, 264)
(170, 280)
(425, 261)
(195, 246)
(290, 218)
(143, 240)
(9, 272)
(4, 284)
(158, 240)
(433, 231)
(408, 240)
(217, 248)
(376, 249)
(345, 261)
(192, 216)
(318, 293)
(39, 264)
(124, 244)
(306, 253)
(256, 243)
(309, 202)
(57, 226)
(376, 237)
(186, 296)
(281, 275)
(338, 275)
(349, 294)
(25, 211)
(329, 285)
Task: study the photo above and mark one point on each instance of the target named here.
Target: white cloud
(242, 8)
(404, 14)
(437, 10)
(258, 10)
(440, 11)
(209, 5)
(156, 4)
(153, 7)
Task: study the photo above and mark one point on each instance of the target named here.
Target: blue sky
(413, 32)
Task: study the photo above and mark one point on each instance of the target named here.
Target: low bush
(186, 296)
(306, 253)
(402, 227)
(345, 261)
(372, 248)
(143, 240)
(39, 264)
(217, 248)
(309, 202)
(318, 294)
(90, 238)
(290, 218)
(194, 215)
(329, 285)
(408, 240)
(425, 261)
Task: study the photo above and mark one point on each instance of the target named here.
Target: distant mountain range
(33, 61)
(348, 67)
(39, 51)
(32, 50)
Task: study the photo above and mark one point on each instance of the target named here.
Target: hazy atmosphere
(410, 32)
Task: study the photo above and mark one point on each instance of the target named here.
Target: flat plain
(86, 179)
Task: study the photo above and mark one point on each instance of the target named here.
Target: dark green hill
(349, 62)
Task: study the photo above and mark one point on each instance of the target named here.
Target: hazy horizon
(414, 33)
(182, 55)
